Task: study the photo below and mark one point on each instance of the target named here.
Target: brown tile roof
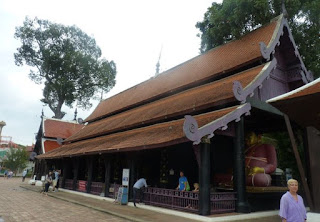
(209, 95)
(50, 145)
(215, 62)
(154, 136)
(30, 148)
(60, 129)
(301, 105)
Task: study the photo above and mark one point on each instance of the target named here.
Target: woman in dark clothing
(47, 183)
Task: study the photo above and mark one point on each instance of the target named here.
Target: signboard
(82, 185)
(125, 177)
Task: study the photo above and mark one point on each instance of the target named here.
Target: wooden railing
(187, 200)
(96, 188)
(223, 202)
(113, 190)
(68, 184)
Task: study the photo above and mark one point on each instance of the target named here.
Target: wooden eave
(194, 100)
(154, 136)
(301, 105)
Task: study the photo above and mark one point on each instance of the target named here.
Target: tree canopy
(66, 60)
(233, 18)
(16, 159)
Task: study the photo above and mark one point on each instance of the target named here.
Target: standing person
(10, 174)
(292, 208)
(55, 181)
(24, 174)
(48, 181)
(5, 174)
(138, 188)
(183, 183)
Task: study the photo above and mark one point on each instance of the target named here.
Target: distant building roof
(30, 148)
(55, 128)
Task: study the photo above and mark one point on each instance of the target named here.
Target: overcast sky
(131, 33)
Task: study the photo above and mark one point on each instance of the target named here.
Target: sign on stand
(122, 196)
(125, 177)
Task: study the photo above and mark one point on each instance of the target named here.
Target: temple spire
(42, 114)
(158, 63)
(75, 115)
(2, 124)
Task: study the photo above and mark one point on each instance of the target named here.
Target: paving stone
(20, 205)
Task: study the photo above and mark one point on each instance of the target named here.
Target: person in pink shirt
(292, 208)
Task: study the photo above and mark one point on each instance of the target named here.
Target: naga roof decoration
(268, 51)
(194, 133)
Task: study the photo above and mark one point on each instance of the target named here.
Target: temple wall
(272, 87)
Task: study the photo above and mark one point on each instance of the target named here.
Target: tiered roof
(211, 86)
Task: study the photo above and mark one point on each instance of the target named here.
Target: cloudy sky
(131, 33)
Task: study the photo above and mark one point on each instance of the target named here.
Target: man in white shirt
(24, 174)
(137, 188)
(55, 181)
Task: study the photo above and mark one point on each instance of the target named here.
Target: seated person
(261, 161)
(196, 187)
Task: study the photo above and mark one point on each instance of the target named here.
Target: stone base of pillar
(243, 207)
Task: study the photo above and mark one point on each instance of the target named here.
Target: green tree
(16, 159)
(66, 60)
(233, 18)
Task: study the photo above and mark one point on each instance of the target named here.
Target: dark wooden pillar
(107, 165)
(239, 176)
(75, 163)
(312, 145)
(90, 171)
(65, 172)
(44, 168)
(132, 174)
(38, 169)
(299, 163)
(204, 177)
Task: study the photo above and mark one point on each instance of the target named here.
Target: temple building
(50, 136)
(194, 118)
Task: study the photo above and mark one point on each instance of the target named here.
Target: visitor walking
(24, 174)
(138, 188)
(55, 181)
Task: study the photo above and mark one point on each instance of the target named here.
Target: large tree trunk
(58, 114)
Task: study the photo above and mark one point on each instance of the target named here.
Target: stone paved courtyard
(27, 204)
(18, 204)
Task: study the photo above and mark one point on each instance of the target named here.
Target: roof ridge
(60, 120)
(218, 61)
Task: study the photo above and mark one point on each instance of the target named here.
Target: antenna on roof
(284, 10)
(42, 114)
(75, 115)
(101, 95)
(80, 120)
(59, 141)
(158, 63)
